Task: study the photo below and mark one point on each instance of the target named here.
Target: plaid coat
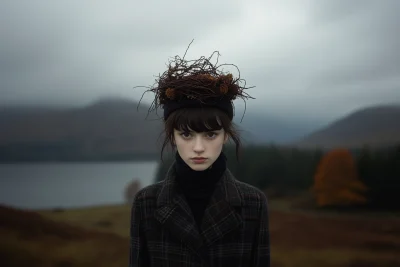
(234, 230)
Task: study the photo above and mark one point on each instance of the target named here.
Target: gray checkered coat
(234, 230)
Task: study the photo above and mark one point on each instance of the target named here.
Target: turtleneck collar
(199, 183)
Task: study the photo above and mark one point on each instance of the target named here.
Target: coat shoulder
(149, 192)
(251, 195)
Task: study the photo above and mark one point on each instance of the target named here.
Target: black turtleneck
(198, 186)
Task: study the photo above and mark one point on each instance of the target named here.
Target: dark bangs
(199, 120)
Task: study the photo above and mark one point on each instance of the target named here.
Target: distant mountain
(107, 129)
(374, 126)
(259, 128)
(110, 129)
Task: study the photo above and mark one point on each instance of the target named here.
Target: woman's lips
(199, 160)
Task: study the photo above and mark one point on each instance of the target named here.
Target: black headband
(221, 103)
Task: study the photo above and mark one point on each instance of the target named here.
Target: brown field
(98, 236)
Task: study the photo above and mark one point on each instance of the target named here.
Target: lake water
(65, 185)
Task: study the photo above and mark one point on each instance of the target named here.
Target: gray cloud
(311, 59)
(325, 11)
(372, 42)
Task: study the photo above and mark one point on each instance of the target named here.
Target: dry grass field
(98, 236)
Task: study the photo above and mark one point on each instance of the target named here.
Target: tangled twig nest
(196, 79)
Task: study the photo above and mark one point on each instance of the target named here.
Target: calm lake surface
(66, 185)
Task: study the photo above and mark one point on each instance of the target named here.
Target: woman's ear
(226, 138)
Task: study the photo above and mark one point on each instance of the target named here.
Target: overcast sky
(307, 58)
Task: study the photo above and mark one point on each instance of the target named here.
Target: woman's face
(199, 150)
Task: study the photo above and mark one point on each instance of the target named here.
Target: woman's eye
(211, 135)
(185, 135)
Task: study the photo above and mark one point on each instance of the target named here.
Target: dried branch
(198, 79)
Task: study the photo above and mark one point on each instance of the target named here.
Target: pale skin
(206, 145)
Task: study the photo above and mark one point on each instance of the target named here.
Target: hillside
(99, 236)
(375, 126)
(29, 239)
(107, 129)
(113, 129)
(259, 128)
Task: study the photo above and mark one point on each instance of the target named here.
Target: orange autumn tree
(336, 180)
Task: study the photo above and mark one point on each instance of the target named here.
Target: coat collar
(220, 217)
(226, 187)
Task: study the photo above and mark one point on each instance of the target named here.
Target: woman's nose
(198, 145)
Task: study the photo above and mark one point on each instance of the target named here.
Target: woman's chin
(199, 167)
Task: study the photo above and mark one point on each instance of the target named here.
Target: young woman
(199, 215)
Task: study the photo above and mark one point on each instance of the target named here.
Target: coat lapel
(174, 214)
(219, 219)
(178, 219)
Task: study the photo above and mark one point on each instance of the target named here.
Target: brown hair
(199, 120)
